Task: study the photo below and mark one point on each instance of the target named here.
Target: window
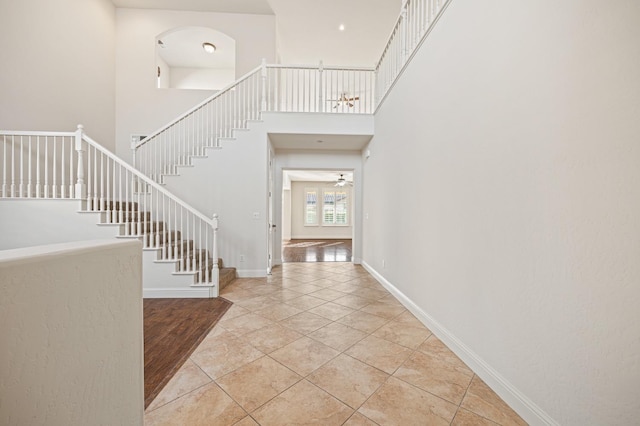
(311, 207)
(334, 207)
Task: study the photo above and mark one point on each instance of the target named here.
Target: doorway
(317, 216)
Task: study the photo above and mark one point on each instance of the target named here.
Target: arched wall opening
(195, 58)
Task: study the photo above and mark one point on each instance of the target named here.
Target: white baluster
(215, 273)
(320, 98)
(38, 167)
(29, 172)
(263, 81)
(81, 188)
(4, 166)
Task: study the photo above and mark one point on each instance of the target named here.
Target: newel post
(215, 272)
(263, 81)
(320, 100)
(134, 148)
(81, 187)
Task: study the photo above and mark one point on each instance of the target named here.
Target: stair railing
(417, 18)
(274, 88)
(200, 128)
(71, 165)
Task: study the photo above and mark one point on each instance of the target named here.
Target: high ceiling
(307, 30)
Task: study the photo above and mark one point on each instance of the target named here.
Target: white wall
(141, 108)
(201, 78)
(520, 122)
(286, 214)
(58, 66)
(71, 327)
(26, 223)
(232, 182)
(299, 229)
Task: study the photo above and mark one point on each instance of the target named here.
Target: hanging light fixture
(209, 47)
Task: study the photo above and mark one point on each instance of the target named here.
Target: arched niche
(183, 63)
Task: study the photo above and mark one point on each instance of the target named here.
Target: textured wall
(58, 66)
(518, 124)
(71, 334)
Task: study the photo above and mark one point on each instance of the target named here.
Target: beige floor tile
(348, 379)
(379, 353)
(347, 288)
(306, 288)
(352, 301)
(359, 420)
(305, 302)
(304, 356)
(188, 378)
(303, 404)
(305, 279)
(278, 311)
(236, 294)
(224, 355)
(434, 347)
(384, 310)
(247, 421)
(325, 281)
(284, 294)
(363, 321)
(234, 311)
(390, 300)
(271, 337)
(372, 293)
(331, 311)
(467, 418)
(407, 318)
(435, 375)
(305, 322)
(338, 336)
(398, 403)
(205, 406)
(244, 323)
(256, 303)
(257, 382)
(403, 334)
(341, 278)
(327, 294)
(481, 400)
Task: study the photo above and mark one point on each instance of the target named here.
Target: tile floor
(324, 344)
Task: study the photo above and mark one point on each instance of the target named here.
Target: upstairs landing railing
(71, 165)
(417, 18)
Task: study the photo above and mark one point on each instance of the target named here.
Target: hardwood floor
(173, 328)
(316, 251)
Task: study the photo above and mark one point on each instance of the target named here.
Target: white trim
(251, 273)
(177, 293)
(321, 237)
(521, 404)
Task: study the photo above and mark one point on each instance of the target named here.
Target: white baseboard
(176, 293)
(251, 273)
(527, 409)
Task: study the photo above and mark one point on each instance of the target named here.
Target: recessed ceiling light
(209, 47)
(341, 27)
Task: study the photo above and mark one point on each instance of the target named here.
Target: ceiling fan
(345, 100)
(342, 182)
